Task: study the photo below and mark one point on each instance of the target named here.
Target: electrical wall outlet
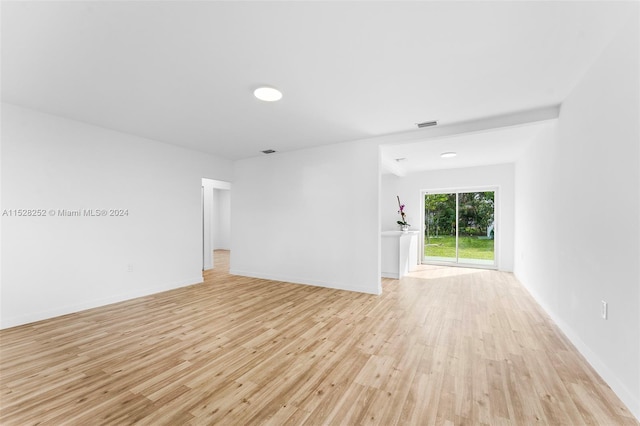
(129, 267)
(604, 310)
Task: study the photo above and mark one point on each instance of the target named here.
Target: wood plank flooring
(442, 346)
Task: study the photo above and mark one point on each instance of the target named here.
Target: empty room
(320, 213)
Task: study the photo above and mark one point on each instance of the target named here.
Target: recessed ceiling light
(267, 94)
(450, 154)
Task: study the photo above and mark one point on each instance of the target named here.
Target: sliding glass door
(440, 227)
(459, 227)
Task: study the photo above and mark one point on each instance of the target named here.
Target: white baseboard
(393, 275)
(297, 280)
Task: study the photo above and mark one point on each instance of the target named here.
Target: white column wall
(309, 217)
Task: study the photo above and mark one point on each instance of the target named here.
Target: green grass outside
(469, 247)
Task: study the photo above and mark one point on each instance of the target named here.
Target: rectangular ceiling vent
(427, 124)
(268, 151)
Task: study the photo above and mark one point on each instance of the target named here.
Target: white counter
(399, 253)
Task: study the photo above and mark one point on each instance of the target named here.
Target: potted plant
(404, 226)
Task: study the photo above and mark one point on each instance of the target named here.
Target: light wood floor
(443, 346)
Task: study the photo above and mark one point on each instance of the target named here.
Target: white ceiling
(184, 72)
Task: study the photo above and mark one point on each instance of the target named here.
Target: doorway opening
(459, 227)
(216, 219)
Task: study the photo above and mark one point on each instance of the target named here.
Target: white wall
(410, 188)
(222, 219)
(208, 224)
(578, 210)
(309, 216)
(56, 265)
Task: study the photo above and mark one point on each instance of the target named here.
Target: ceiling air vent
(427, 124)
(268, 151)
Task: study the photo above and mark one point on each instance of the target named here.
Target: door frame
(496, 224)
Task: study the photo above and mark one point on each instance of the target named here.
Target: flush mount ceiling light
(267, 94)
(399, 160)
(268, 151)
(449, 154)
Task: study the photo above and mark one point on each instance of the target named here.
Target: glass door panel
(475, 228)
(440, 227)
